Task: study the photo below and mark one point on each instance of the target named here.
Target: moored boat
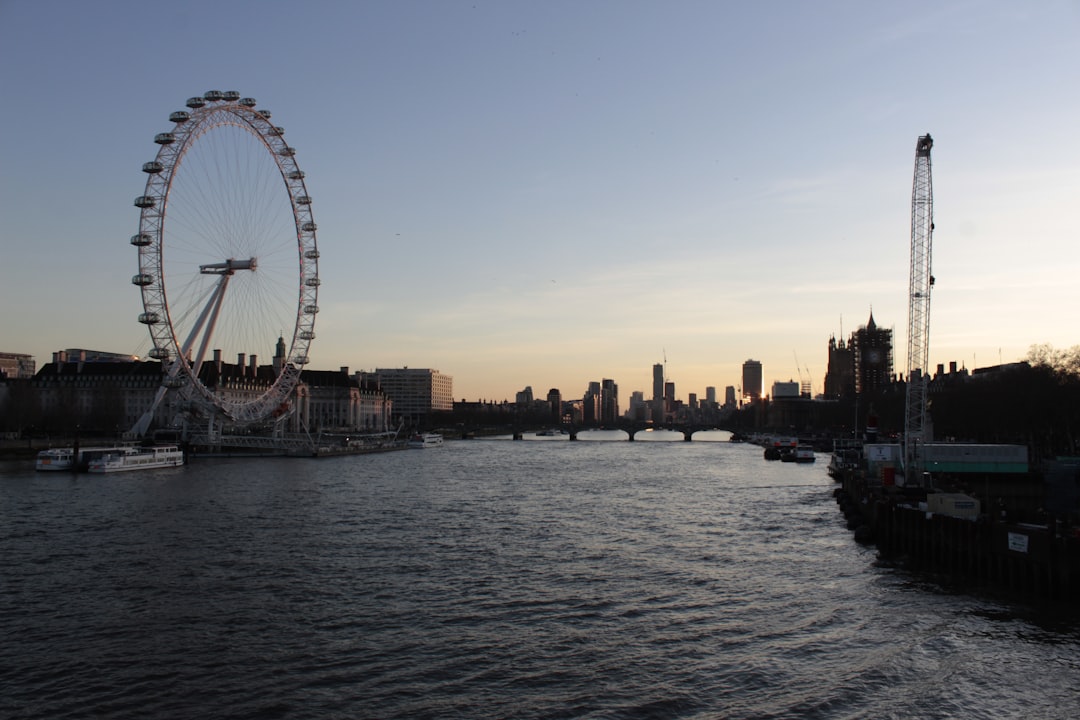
(425, 440)
(780, 448)
(55, 459)
(138, 458)
(846, 456)
(70, 459)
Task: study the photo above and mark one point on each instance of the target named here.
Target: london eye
(227, 259)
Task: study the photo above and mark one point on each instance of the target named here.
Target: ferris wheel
(228, 262)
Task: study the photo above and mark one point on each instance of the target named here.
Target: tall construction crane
(916, 428)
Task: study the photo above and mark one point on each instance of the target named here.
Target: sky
(546, 194)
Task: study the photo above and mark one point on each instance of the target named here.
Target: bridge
(630, 427)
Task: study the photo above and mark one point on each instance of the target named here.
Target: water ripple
(490, 579)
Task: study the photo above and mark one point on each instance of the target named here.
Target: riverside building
(108, 397)
(415, 392)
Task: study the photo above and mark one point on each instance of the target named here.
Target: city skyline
(660, 377)
(549, 195)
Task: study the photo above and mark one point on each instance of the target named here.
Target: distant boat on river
(425, 440)
(138, 458)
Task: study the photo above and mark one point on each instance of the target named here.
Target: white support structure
(916, 428)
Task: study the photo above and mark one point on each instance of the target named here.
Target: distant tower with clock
(871, 348)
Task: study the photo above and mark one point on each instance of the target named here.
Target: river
(493, 579)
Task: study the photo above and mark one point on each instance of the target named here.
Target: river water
(492, 579)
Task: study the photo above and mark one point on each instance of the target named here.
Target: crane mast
(916, 428)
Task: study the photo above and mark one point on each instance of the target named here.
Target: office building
(554, 398)
(658, 393)
(416, 393)
(609, 402)
(752, 383)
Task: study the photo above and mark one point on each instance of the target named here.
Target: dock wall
(1037, 561)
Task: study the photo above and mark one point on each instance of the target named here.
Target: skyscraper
(609, 402)
(658, 393)
(554, 398)
(590, 404)
(752, 380)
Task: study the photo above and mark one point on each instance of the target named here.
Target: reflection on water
(491, 578)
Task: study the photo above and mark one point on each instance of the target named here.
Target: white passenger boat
(55, 459)
(425, 440)
(66, 458)
(138, 458)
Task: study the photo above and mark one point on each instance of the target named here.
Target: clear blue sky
(549, 193)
